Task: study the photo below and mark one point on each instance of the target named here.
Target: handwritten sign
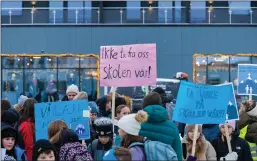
(72, 112)
(201, 104)
(247, 79)
(128, 65)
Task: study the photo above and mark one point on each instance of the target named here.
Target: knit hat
(40, 147)
(74, 152)
(8, 131)
(131, 124)
(252, 109)
(93, 107)
(72, 88)
(68, 136)
(10, 116)
(190, 127)
(104, 126)
(21, 100)
(231, 123)
(110, 156)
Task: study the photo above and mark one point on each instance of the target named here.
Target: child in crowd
(71, 149)
(204, 149)
(240, 148)
(117, 154)
(104, 130)
(21, 102)
(54, 130)
(9, 137)
(27, 126)
(129, 127)
(121, 110)
(105, 107)
(43, 150)
(71, 92)
(93, 115)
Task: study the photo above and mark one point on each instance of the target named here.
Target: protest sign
(247, 79)
(201, 104)
(74, 113)
(128, 65)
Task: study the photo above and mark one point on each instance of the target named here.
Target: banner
(201, 104)
(128, 65)
(74, 113)
(247, 79)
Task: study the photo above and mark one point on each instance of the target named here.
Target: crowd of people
(147, 134)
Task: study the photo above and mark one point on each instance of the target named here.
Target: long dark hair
(28, 110)
(129, 139)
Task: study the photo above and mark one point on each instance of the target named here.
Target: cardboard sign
(247, 79)
(71, 112)
(128, 65)
(201, 104)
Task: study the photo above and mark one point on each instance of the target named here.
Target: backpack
(155, 150)
(74, 151)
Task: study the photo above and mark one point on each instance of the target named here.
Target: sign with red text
(128, 65)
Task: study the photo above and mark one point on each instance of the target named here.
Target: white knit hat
(21, 100)
(131, 124)
(72, 88)
(253, 112)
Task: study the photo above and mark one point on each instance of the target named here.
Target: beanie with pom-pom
(131, 124)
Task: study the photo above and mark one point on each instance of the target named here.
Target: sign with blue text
(201, 104)
(74, 113)
(232, 111)
(247, 79)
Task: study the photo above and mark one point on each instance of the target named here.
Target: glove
(230, 156)
(191, 158)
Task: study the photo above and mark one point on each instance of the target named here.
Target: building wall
(175, 44)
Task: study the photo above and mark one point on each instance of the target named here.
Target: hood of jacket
(19, 152)
(156, 113)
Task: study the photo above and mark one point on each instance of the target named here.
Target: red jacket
(27, 131)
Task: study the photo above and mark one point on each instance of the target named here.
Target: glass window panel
(200, 70)
(218, 70)
(40, 62)
(12, 84)
(198, 11)
(67, 77)
(68, 62)
(88, 11)
(133, 13)
(15, 6)
(75, 8)
(178, 12)
(56, 6)
(12, 62)
(88, 62)
(165, 5)
(88, 82)
(242, 8)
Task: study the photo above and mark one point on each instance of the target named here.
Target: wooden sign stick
(146, 90)
(228, 138)
(195, 138)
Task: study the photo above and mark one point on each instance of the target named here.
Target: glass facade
(218, 69)
(46, 78)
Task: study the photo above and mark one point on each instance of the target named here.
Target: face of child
(8, 143)
(93, 116)
(108, 106)
(122, 133)
(191, 134)
(44, 156)
(222, 130)
(124, 111)
(71, 95)
(104, 139)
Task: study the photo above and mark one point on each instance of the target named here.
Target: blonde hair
(17, 107)
(54, 130)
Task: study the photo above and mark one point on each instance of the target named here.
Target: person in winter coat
(248, 125)
(240, 148)
(54, 134)
(117, 154)
(71, 148)
(27, 126)
(104, 130)
(129, 133)
(159, 127)
(71, 92)
(211, 131)
(11, 117)
(204, 149)
(5, 105)
(43, 150)
(9, 137)
(105, 105)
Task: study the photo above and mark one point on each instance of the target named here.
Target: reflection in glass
(88, 62)
(67, 77)
(12, 62)
(200, 66)
(40, 62)
(12, 84)
(218, 70)
(68, 62)
(88, 81)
